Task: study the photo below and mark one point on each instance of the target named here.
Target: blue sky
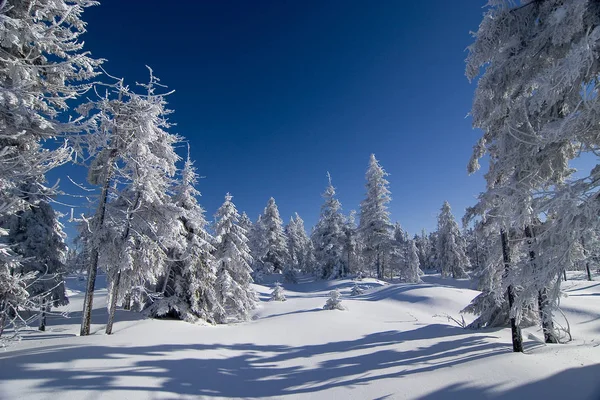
(273, 94)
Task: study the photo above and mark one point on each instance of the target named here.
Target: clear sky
(273, 94)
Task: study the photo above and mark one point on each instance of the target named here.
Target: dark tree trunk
(3, 312)
(86, 319)
(517, 338)
(42, 326)
(587, 263)
(565, 275)
(544, 305)
(113, 303)
(127, 301)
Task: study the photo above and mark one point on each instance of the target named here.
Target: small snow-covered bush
(334, 302)
(356, 290)
(277, 294)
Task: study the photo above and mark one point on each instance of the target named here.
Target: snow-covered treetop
(374, 215)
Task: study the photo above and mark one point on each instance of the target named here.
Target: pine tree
(257, 242)
(334, 302)
(43, 69)
(356, 290)
(412, 270)
(36, 235)
(375, 225)
(536, 102)
(328, 236)
(134, 223)
(232, 257)
(277, 293)
(350, 246)
(276, 251)
(188, 286)
(451, 246)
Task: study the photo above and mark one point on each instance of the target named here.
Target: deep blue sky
(273, 94)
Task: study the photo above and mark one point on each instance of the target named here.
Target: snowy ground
(390, 343)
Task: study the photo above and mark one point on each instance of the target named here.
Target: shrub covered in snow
(334, 302)
(277, 294)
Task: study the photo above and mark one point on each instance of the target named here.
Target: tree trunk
(113, 303)
(544, 307)
(42, 326)
(127, 301)
(517, 338)
(565, 275)
(546, 317)
(587, 263)
(88, 301)
(2, 316)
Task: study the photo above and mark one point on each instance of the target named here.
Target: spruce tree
(232, 259)
(451, 246)
(375, 226)
(188, 286)
(276, 251)
(328, 236)
(43, 70)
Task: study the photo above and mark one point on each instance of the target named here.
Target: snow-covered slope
(392, 342)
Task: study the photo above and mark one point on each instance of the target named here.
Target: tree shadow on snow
(581, 382)
(249, 370)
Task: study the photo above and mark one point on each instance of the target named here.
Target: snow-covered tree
(299, 246)
(424, 248)
(232, 258)
(277, 250)
(134, 164)
(43, 68)
(375, 226)
(356, 290)
(451, 246)
(350, 248)
(257, 242)
(412, 270)
(334, 302)
(188, 286)
(537, 104)
(37, 236)
(277, 293)
(328, 236)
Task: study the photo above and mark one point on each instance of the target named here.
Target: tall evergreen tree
(43, 68)
(451, 246)
(134, 164)
(188, 286)
(277, 250)
(536, 102)
(37, 236)
(375, 226)
(328, 236)
(232, 257)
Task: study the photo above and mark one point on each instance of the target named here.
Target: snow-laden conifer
(188, 287)
(375, 226)
(43, 68)
(37, 236)
(451, 246)
(356, 290)
(277, 293)
(328, 236)
(134, 164)
(537, 104)
(411, 272)
(334, 302)
(277, 250)
(257, 242)
(232, 259)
